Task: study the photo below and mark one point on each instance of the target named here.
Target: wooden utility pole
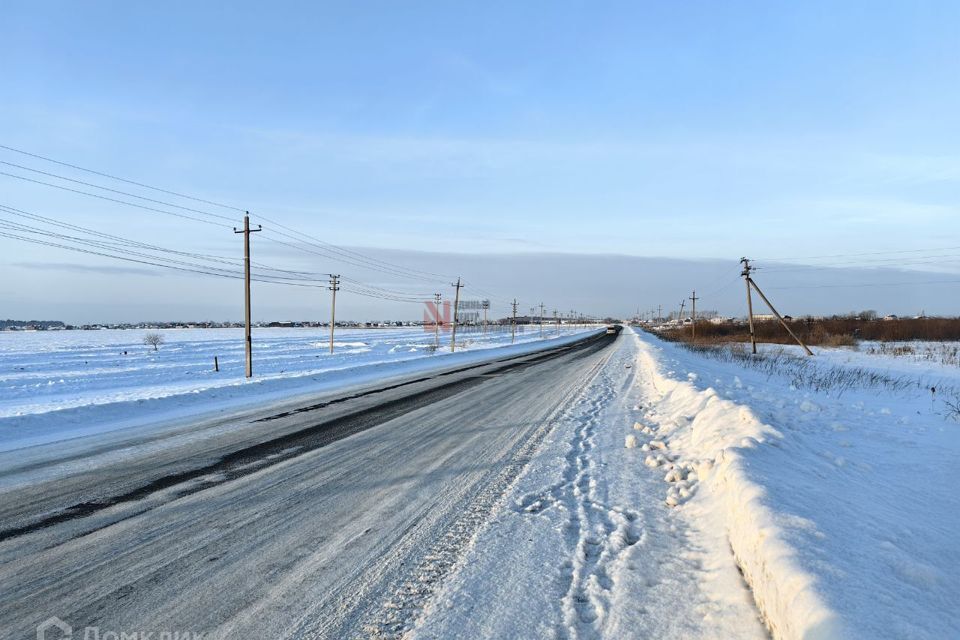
(334, 287)
(556, 321)
(746, 278)
(456, 317)
(683, 303)
(782, 321)
(541, 320)
(513, 323)
(693, 323)
(486, 307)
(248, 336)
(436, 325)
(659, 313)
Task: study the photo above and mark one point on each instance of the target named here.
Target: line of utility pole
(248, 335)
(456, 317)
(334, 287)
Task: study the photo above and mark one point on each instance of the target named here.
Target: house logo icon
(47, 630)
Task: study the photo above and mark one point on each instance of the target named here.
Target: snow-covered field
(68, 383)
(834, 477)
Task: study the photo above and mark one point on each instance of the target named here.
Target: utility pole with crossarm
(248, 334)
(693, 325)
(456, 316)
(334, 287)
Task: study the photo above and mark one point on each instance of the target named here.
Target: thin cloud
(89, 268)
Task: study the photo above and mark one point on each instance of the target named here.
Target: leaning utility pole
(693, 324)
(513, 324)
(456, 317)
(248, 337)
(541, 319)
(680, 315)
(751, 283)
(782, 321)
(436, 324)
(746, 278)
(334, 287)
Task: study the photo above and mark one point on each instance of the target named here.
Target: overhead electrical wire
(301, 241)
(341, 252)
(140, 254)
(854, 255)
(119, 179)
(867, 264)
(102, 197)
(865, 284)
(118, 248)
(156, 262)
(117, 191)
(238, 262)
(350, 253)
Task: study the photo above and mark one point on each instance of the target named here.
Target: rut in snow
(596, 533)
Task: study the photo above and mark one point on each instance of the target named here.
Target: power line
(119, 179)
(317, 249)
(123, 193)
(867, 284)
(109, 251)
(305, 242)
(346, 255)
(350, 253)
(117, 240)
(852, 255)
(102, 197)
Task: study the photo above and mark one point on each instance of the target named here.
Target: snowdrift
(700, 439)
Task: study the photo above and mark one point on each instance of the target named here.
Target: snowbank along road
(337, 519)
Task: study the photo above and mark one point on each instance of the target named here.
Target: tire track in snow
(596, 533)
(399, 614)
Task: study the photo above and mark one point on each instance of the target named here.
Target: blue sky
(689, 130)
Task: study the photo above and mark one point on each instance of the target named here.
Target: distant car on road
(611, 329)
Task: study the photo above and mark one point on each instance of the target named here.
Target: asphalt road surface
(336, 518)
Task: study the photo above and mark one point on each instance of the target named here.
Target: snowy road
(337, 520)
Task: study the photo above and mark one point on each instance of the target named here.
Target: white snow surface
(684, 496)
(57, 385)
(839, 499)
(679, 495)
(585, 546)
